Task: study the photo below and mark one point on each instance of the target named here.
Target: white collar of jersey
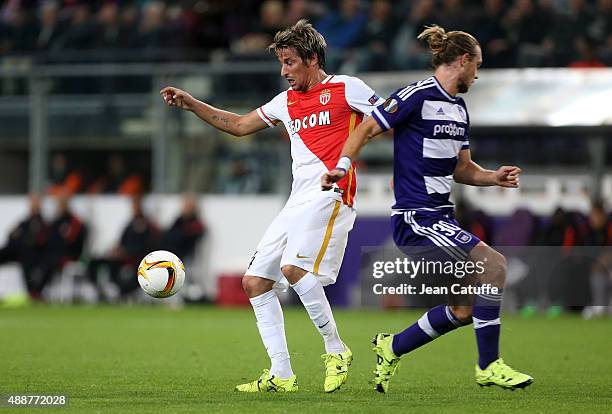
(441, 89)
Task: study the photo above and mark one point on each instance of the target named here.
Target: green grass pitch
(153, 359)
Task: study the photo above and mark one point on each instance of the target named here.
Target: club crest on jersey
(325, 96)
(463, 237)
(390, 106)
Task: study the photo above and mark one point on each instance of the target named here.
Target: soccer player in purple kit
(431, 149)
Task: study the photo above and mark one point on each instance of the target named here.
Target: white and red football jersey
(319, 121)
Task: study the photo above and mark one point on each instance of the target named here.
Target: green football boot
(387, 362)
(500, 374)
(336, 369)
(269, 383)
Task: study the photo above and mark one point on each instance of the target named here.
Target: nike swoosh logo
(291, 103)
(324, 325)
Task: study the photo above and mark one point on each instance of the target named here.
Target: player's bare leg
(271, 325)
(491, 369)
(338, 356)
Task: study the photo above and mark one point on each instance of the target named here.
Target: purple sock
(437, 321)
(487, 326)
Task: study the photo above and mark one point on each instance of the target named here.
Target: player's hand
(177, 97)
(329, 178)
(507, 176)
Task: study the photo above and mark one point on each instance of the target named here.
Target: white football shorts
(312, 236)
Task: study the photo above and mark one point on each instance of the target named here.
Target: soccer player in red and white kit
(305, 243)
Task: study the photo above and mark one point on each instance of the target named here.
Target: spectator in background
(303, 9)
(63, 178)
(17, 42)
(560, 231)
(585, 49)
(601, 29)
(67, 235)
(109, 34)
(377, 37)
(342, 30)
(553, 274)
(51, 28)
(26, 246)
(183, 235)
(5, 38)
(601, 26)
(528, 24)
(128, 22)
(212, 27)
(177, 36)
(81, 33)
(598, 241)
(151, 33)
(22, 27)
(271, 20)
(408, 54)
(568, 27)
(117, 179)
(139, 237)
(454, 15)
(599, 232)
(492, 34)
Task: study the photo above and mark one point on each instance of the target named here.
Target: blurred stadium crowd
(374, 35)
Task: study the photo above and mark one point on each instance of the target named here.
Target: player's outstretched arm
(356, 140)
(238, 125)
(470, 173)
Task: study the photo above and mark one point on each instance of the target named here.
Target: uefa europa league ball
(161, 274)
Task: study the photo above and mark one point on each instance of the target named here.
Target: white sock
(313, 297)
(271, 327)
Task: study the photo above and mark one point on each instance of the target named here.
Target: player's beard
(462, 87)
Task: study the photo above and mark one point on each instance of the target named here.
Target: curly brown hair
(304, 38)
